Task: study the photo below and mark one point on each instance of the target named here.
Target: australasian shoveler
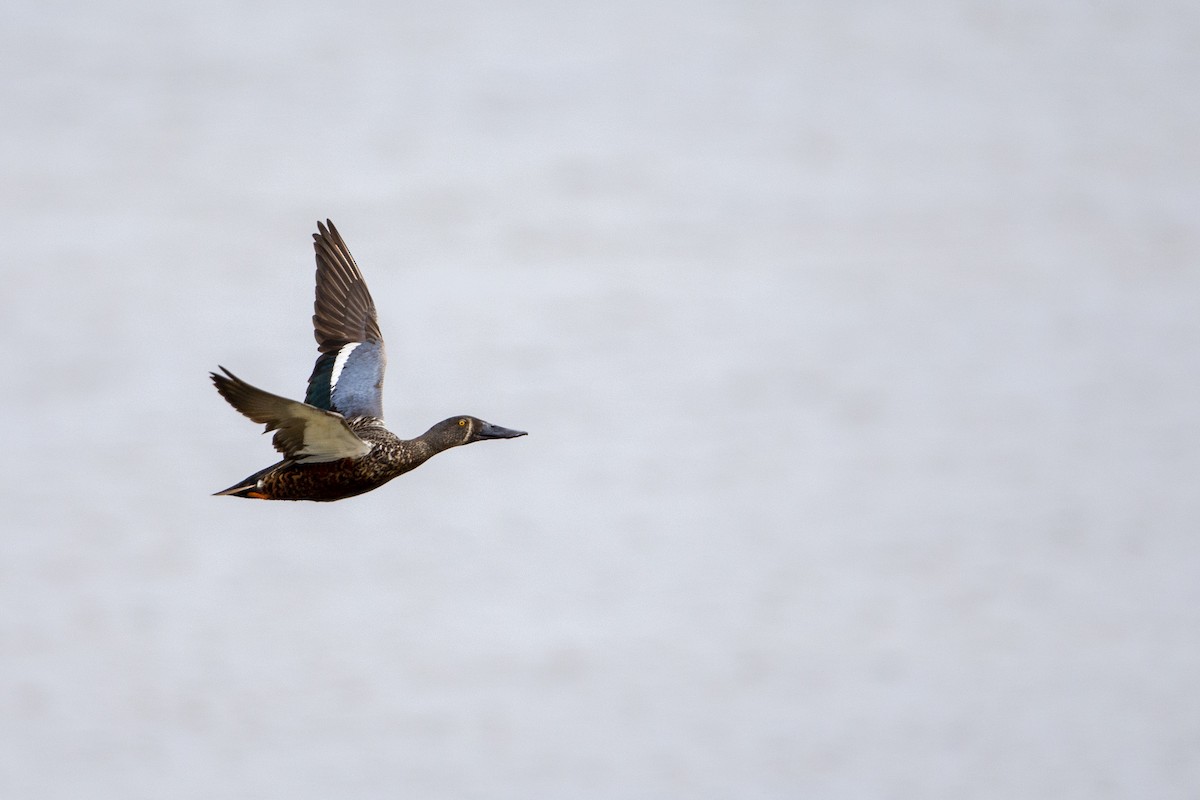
(334, 444)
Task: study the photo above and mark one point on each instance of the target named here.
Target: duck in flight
(334, 444)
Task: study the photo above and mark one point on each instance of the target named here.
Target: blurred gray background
(859, 347)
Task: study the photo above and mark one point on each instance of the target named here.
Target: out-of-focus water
(859, 349)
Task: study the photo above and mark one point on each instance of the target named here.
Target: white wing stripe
(339, 363)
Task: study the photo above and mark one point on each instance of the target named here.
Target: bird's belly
(326, 481)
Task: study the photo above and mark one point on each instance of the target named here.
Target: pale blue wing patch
(356, 380)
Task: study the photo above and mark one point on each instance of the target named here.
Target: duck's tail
(248, 487)
(250, 490)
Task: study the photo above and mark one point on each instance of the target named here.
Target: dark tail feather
(242, 490)
(247, 487)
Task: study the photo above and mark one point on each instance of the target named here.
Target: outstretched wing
(303, 433)
(348, 375)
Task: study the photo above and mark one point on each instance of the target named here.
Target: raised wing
(303, 433)
(348, 375)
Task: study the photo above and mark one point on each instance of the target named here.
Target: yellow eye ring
(462, 422)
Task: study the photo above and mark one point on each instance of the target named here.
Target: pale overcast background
(858, 344)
